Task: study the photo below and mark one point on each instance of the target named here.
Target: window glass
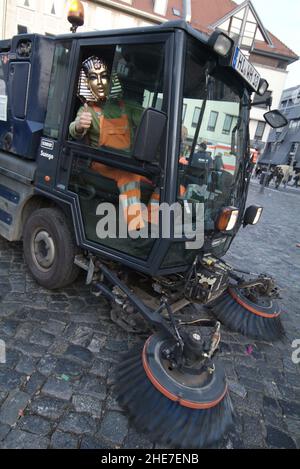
(227, 124)
(294, 124)
(260, 130)
(294, 148)
(2, 81)
(53, 7)
(31, 4)
(209, 162)
(19, 74)
(57, 90)
(196, 115)
(116, 84)
(213, 117)
(116, 99)
(22, 29)
(3, 90)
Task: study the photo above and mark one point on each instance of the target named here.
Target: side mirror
(149, 134)
(275, 119)
(252, 215)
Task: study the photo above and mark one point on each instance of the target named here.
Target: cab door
(101, 172)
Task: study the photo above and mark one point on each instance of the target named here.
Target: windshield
(212, 136)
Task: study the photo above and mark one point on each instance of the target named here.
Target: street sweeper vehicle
(106, 166)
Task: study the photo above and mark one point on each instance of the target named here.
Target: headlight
(221, 43)
(227, 219)
(252, 215)
(262, 87)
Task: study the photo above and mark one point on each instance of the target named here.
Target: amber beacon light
(227, 219)
(76, 14)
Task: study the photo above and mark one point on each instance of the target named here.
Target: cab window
(115, 84)
(57, 89)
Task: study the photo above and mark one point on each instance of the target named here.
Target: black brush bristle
(163, 420)
(238, 319)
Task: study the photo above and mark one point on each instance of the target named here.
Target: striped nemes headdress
(83, 90)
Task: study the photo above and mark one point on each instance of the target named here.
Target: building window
(212, 121)
(196, 116)
(31, 4)
(275, 146)
(227, 124)
(249, 34)
(57, 90)
(160, 7)
(53, 7)
(268, 147)
(260, 130)
(243, 25)
(292, 153)
(294, 148)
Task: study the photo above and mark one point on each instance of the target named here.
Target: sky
(282, 18)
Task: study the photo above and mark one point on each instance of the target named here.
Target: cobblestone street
(61, 348)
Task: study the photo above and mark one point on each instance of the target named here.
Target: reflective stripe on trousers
(130, 199)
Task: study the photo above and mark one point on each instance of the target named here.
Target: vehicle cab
(186, 98)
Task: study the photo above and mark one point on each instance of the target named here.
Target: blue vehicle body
(26, 66)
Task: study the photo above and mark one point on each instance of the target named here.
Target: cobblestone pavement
(55, 388)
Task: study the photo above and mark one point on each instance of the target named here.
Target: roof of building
(293, 92)
(206, 13)
(290, 90)
(280, 155)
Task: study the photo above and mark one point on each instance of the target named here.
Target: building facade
(268, 54)
(283, 146)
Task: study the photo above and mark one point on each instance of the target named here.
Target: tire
(49, 248)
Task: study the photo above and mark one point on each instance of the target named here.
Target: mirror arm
(267, 101)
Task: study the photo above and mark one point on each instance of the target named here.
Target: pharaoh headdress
(83, 90)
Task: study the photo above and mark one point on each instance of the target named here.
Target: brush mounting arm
(152, 317)
(262, 284)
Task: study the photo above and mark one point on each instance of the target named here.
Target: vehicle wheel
(50, 248)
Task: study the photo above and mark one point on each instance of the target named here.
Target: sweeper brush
(253, 315)
(184, 406)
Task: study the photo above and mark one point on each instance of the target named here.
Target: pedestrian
(257, 171)
(269, 177)
(296, 180)
(218, 162)
(278, 173)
